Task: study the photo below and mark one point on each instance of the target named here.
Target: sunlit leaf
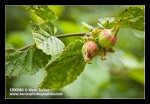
(132, 17)
(48, 27)
(66, 68)
(44, 41)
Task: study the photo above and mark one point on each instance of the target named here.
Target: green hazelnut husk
(89, 50)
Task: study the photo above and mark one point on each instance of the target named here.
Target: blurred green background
(122, 75)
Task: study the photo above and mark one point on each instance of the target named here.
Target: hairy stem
(58, 36)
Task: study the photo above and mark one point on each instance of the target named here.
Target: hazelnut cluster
(99, 42)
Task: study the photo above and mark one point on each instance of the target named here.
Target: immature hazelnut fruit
(106, 39)
(89, 50)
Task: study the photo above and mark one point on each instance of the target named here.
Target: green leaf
(132, 17)
(44, 41)
(25, 62)
(43, 12)
(48, 27)
(66, 68)
(106, 22)
(86, 27)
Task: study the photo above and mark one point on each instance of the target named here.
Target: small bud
(95, 33)
(106, 39)
(105, 24)
(89, 50)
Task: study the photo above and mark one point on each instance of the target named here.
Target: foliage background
(120, 76)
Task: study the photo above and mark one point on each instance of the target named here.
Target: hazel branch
(58, 36)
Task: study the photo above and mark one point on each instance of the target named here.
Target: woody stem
(58, 36)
